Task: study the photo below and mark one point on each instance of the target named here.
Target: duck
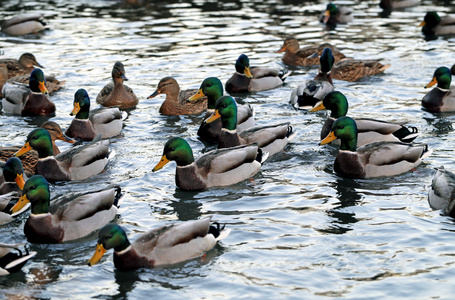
(296, 56)
(369, 130)
(311, 91)
(256, 79)
(162, 246)
(442, 97)
(434, 25)
(87, 124)
(376, 159)
(442, 191)
(219, 167)
(69, 217)
(270, 138)
(24, 24)
(12, 177)
(77, 163)
(13, 257)
(355, 69)
(56, 134)
(116, 93)
(213, 89)
(176, 102)
(397, 4)
(334, 15)
(452, 69)
(31, 100)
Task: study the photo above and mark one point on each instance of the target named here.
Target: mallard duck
(442, 97)
(77, 163)
(24, 24)
(116, 93)
(355, 69)
(334, 15)
(12, 258)
(22, 66)
(87, 124)
(12, 177)
(442, 191)
(397, 4)
(310, 92)
(296, 56)
(374, 159)
(434, 25)
(255, 79)
(176, 102)
(166, 245)
(270, 138)
(369, 130)
(214, 168)
(56, 134)
(213, 89)
(31, 100)
(66, 218)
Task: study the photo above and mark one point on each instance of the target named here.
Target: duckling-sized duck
(310, 92)
(116, 93)
(161, 246)
(334, 15)
(215, 168)
(355, 69)
(442, 191)
(176, 102)
(442, 97)
(87, 124)
(77, 163)
(296, 56)
(371, 160)
(18, 99)
(23, 24)
(12, 258)
(434, 25)
(369, 130)
(270, 138)
(255, 79)
(213, 89)
(66, 218)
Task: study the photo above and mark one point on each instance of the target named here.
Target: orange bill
(422, 24)
(76, 109)
(282, 49)
(161, 164)
(318, 107)
(42, 88)
(24, 149)
(331, 137)
(326, 16)
(216, 115)
(99, 252)
(20, 181)
(20, 204)
(197, 96)
(432, 82)
(248, 72)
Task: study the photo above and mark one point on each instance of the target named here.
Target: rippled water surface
(298, 230)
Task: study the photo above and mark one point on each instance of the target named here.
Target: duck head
(226, 109)
(110, 236)
(176, 149)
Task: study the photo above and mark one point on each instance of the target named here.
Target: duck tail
(406, 134)
(118, 196)
(218, 232)
(283, 74)
(290, 134)
(426, 151)
(262, 156)
(14, 261)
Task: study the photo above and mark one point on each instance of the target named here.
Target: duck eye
(209, 85)
(172, 149)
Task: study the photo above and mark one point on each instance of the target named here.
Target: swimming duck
(369, 130)
(310, 92)
(434, 25)
(442, 191)
(214, 168)
(77, 163)
(355, 69)
(32, 100)
(371, 160)
(176, 102)
(442, 97)
(270, 138)
(213, 89)
(397, 4)
(116, 93)
(165, 245)
(24, 24)
(255, 79)
(56, 134)
(12, 177)
(66, 218)
(334, 15)
(12, 258)
(22, 66)
(296, 56)
(87, 124)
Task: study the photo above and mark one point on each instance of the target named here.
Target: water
(298, 230)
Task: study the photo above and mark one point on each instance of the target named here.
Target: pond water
(298, 229)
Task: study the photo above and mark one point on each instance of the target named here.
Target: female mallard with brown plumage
(87, 124)
(371, 160)
(176, 102)
(162, 246)
(66, 218)
(270, 138)
(215, 168)
(442, 97)
(355, 69)
(116, 93)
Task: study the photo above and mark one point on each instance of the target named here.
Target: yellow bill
(24, 149)
(216, 115)
(20, 204)
(318, 107)
(99, 252)
(432, 82)
(161, 164)
(331, 137)
(197, 96)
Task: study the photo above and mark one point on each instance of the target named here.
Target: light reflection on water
(298, 230)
